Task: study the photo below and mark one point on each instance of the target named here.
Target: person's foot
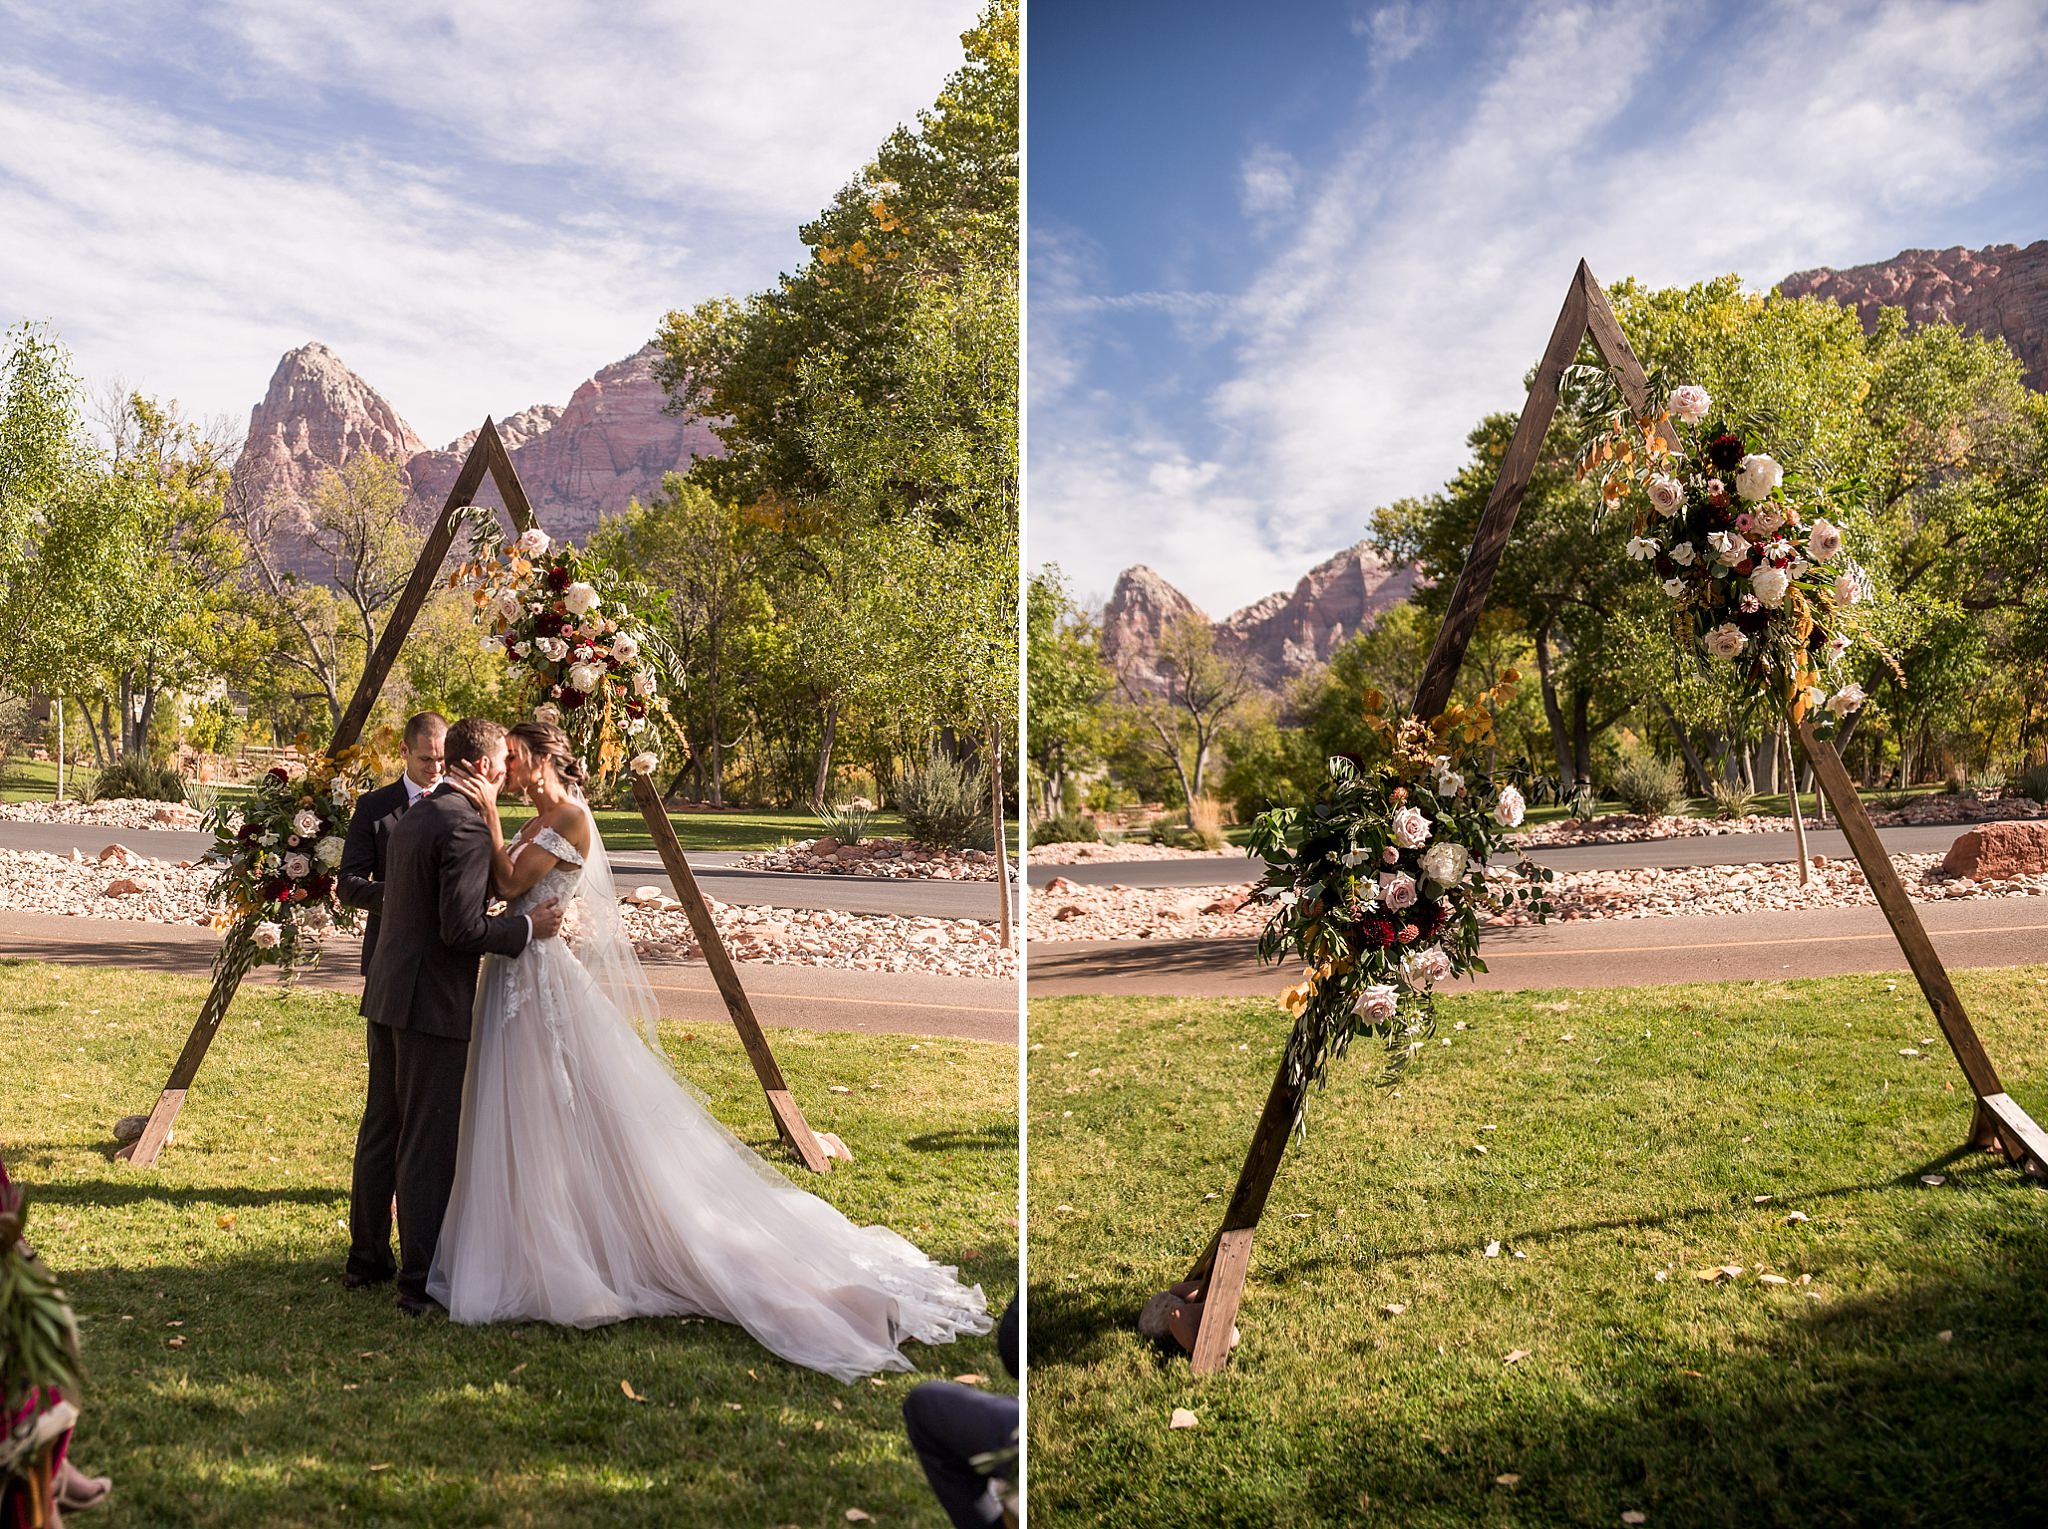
(75, 1491)
(418, 1305)
(352, 1279)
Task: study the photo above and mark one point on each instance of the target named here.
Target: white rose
(643, 682)
(553, 649)
(1849, 698)
(1397, 890)
(1824, 540)
(643, 764)
(1507, 811)
(1767, 520)
(1376, 1005)
(1411, 828)
(489, 645)
(624, 648)
(521, 649)
(1448, 781)
(267, 935)
(1756, 475)
(1445, 863)
(580, 598)
(1426, 968)
(298, 867)
(1730, 547)
(535, 543)
(1674, 587)
(549, 713)
(1847, 590)
(1682, 553)
(586, 677)
(510, 607)
(329, 850)
(1725, 640)
(339, 792)
(1642, 548)
(306, 823)
(1838, 645)
(1667, 494)
(1689, 404)
(1770, 585)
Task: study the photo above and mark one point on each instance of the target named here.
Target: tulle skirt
(591, 1185)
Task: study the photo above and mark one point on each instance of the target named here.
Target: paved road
(1699, 849)
(1825, 942)
(714, 871)
(797, 997)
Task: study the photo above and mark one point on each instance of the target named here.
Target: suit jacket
(361, 878)
(437, 881)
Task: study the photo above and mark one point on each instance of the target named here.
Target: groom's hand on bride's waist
(546, 919)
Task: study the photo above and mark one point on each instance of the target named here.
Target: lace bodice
(560, 882)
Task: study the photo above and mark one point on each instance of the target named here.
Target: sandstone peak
(316, 414)
(2001, 289)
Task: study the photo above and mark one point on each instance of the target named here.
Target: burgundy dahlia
(1725, 451)
(558, 578)
(572, 698)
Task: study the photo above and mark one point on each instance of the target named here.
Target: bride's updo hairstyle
(546, 741)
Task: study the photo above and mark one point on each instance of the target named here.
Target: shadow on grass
(138, 1189)
(293, 1400)
(990, 1138)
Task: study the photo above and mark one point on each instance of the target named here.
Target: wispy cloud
(1415, 277)
(1266, 181)
(476, 206)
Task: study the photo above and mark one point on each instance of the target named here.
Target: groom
(422, 983)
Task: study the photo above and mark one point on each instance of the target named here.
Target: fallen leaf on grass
(1793, 1218)
(1718, 1273)
(1759, 1199)
(1661, 1276)
(1393, 1308)
(1633, 1517)
(631, 1395)
(515, 1369)
(1944, 1336)
(1182, 1418)
(969, 1379)
(1933, 1180)
(382, 1466)
(1516, 1356)
(1481, 1150)
(1493, 1250)
(1908, 1051)
(1507, 1479)
(732, 1406)
(838, 1405)
(1772, 1279)
(177, 1342)
(859, 1516)
(225, 1223)
(838, 1088)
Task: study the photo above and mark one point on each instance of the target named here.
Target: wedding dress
(591, 1185)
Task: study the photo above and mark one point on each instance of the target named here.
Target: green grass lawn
(1633, 1132)
(289, 1400)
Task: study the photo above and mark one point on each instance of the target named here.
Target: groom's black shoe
(352, 1280)
(419, 1305)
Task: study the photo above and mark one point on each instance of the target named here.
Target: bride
(591, 1185)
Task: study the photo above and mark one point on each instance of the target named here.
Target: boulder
(1999, 851)
(1226, 905)
(825, 846)
(123, 888)
(120, 852)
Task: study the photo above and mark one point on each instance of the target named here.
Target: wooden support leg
(789, 1120)
(1998, 1119)
(142, 1152)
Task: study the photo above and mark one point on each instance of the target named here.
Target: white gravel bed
(894, 859)
(1065, 910)
(1627, 828)
(121, 812)
(136, 889)
(1102, 854)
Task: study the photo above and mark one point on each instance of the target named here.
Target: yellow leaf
(631, 1395)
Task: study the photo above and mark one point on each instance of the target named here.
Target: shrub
(846, 822)
(1732, 800)
(2034, 784)
(945, 803)
(1583, 802)
(202, 796)
(1648, 786)
(1067, 828)
(134, 777)
(1209, 823)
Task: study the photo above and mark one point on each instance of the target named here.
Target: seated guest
(952, 1425)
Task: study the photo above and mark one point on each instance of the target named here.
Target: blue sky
(476, 204)
(1283, 259)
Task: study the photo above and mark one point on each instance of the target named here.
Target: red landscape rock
(1999, 852)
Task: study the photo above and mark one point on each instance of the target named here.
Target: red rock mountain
(2001, 289)
(1285, 634)
(611, 443)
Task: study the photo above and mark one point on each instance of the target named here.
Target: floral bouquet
(580, 655)
(1757, 576)
(278, 850)
(1378, 887)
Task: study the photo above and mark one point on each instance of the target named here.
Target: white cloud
(1419, 277)
(1266, 181)
(1396, 32)
(518, 193)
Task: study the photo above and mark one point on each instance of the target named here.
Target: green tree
(1066, 684)
(1179, 714)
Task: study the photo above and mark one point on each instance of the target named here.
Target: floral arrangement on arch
(581, 657)
(1758, 577)
(1377, 888)
(278, 851)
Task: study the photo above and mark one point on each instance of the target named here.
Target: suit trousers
(376, 1170)
(428, 1078)
(949, 1424)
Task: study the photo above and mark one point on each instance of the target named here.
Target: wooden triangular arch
(1218, 1276)
(488, 455)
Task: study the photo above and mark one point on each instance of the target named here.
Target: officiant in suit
(360, 884)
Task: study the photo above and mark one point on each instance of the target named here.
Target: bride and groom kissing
(547, 1162)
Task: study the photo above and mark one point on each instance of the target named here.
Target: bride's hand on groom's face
(479, 788)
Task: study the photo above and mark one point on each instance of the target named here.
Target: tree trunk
(716, 795)
(1560, 740)
(995, 796)
(1582, 737)
(1692, 760)
(824, 772)
(1764, 759)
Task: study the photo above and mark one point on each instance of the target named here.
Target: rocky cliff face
(1279, 637)
(611, 443)
(2001, 289)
